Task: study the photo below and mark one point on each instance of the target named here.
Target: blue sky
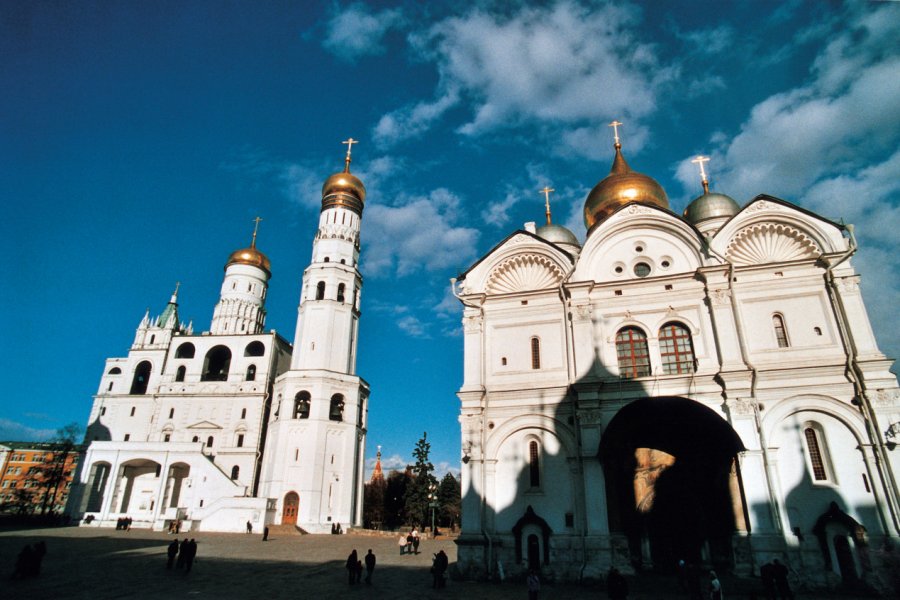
(139, 139)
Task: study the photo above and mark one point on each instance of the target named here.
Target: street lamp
(432, 503)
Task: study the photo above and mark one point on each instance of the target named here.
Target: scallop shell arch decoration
(770, 242)
(524, 272)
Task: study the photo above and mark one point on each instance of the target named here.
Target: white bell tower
(241, 306)
(314, 452)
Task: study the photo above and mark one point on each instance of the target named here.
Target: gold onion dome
(250, 256)
(344, 182)
(619, 188)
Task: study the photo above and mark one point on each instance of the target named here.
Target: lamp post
(432, 503)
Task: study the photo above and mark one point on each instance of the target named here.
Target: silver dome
(557, 234)
(710, 206)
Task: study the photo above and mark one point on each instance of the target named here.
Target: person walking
(438, 567)
(415, 542)
(351, 567)
(172, 552)
(249, 527)
(780, 573)
(182, 554)
(409, 542)
(715, 586)
(191, 555)
(616, 586)
(402, 543)
(266, 533)
(370, 566)
(534, 584)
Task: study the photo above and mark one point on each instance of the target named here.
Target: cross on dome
(546, 191)
(700, 160)
(347, 159)
(615, 125)
(255, 231)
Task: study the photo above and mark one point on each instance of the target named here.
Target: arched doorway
(669, 464)
(291, 506)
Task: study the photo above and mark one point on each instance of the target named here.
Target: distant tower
(314, 452)
(241, 306)
(155, 334)
(377, 473)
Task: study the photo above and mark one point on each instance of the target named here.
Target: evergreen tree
(374, 503)
(423, 484)
(395, 498)
(449, 500)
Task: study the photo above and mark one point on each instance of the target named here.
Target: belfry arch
(672, 491)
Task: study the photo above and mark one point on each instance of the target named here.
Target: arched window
(676, 349)
(301, 405)
(534, 464)
(336, 410)
(256, 348)
(632, 353)
(195, 439)
(235, 470)
(535, 353)
(186, 350)
(243, 413)
(340, 294)
(141, 378)
(209, 442)
(179, 374)
(251, 373)
(216, 364)
(152, 339)
(816, 454)
(115, 371)
(320, 290)
(780, 331)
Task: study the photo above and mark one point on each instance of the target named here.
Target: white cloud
(563, 64)
(413, 326)
(417, 234)
(18, 432)
(357, 31)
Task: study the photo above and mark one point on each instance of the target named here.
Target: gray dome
(710, 206)
(557, 234)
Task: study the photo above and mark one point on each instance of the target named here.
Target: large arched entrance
(291, 506)
(669, 465)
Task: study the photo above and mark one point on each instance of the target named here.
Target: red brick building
(35, 477)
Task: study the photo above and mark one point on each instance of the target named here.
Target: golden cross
(255, 230)
(615, 125)
(703, 179)
(546, 191)
(350, 143)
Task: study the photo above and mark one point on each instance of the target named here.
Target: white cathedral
(234, 425)
(703, 387)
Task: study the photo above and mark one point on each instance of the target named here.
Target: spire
(377, 473)
(174, 298)
(546, 191)
(169, 316)
(619, 165)
(703, 179)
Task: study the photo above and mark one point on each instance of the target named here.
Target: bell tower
(241, 306)
(315, 447)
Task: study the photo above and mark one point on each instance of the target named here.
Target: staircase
(284, 530)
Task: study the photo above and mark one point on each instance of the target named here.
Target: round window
(642, 269)
(619, 269)
(665, 264)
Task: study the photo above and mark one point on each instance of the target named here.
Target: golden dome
(250, 256)
(344, 182)
(619, 188)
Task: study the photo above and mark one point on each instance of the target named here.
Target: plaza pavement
(99, 564)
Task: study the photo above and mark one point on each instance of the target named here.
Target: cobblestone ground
(99, 564)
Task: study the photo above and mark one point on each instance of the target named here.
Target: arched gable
(827, 405)
(530, 423)
(639, 234)
(769, 230)
(522, 262)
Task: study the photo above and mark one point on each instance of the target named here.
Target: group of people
(355, 567)
(28, 563)
(336, 529)
(175, 526)
(186, 551)
(409, 543)
(123, 523)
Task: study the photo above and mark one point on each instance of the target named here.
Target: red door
(291, 504)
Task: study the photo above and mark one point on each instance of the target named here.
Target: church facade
(703, 387)
(234, 425)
